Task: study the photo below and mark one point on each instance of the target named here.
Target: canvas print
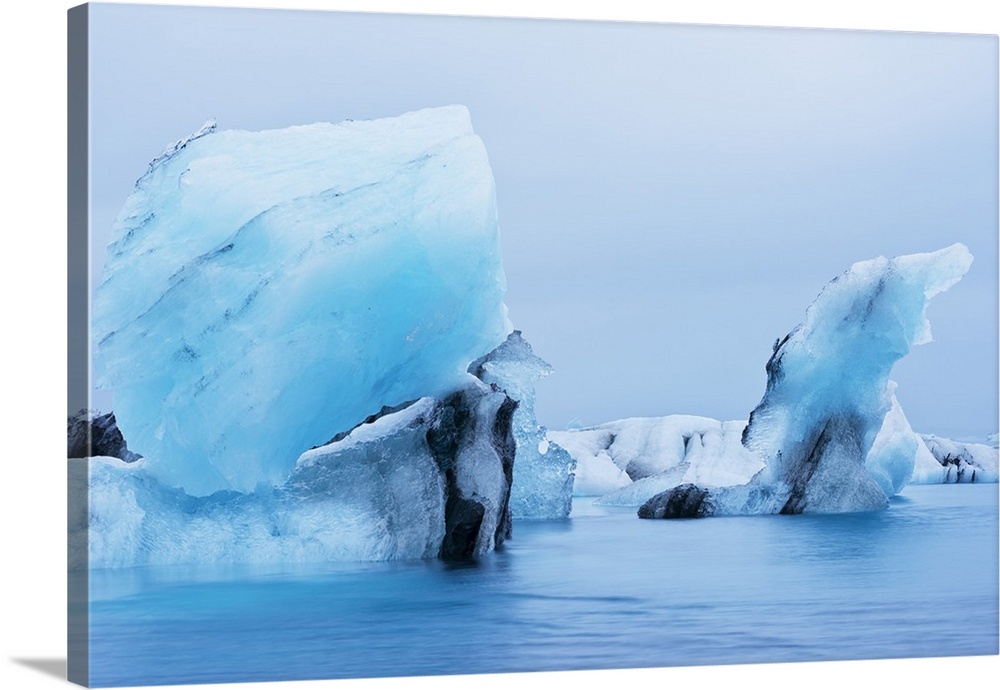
(412, 345)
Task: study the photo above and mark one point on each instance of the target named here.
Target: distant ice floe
(956, 462)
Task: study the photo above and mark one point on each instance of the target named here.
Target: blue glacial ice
(896, 450)
(543, 471)
(267, 289)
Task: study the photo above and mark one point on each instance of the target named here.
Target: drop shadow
(50, 667)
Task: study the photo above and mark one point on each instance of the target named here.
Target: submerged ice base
(266, 289)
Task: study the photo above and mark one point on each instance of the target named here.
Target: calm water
(602, 590)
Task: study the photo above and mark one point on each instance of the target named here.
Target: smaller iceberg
(828, 396)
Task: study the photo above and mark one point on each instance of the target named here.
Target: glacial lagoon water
(600, 590)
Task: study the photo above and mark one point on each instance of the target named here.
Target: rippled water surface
(601, 590)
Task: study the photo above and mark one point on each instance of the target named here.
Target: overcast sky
(671, 198)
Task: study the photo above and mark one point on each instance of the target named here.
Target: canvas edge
(78, 317)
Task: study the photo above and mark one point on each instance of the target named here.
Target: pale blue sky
(671, 197)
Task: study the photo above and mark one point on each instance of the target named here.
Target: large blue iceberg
(265, 290)
(305, 336)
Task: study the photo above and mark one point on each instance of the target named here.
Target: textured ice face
(543, 472)
(265, 289)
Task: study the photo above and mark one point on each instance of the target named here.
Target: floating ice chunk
(828, 393)
(543, 472)
(266, 288)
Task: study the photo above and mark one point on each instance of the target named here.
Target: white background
(33, 335)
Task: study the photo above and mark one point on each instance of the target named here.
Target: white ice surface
(895, 451)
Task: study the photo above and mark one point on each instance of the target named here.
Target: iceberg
(828, 394)
(264, 289)
(543, 471)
